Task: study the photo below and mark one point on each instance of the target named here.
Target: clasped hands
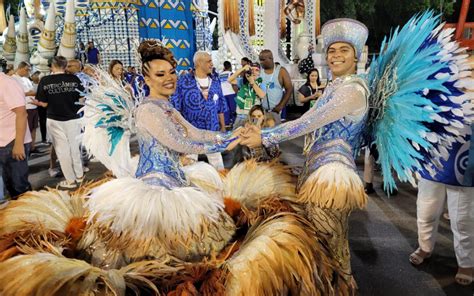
(249, 135)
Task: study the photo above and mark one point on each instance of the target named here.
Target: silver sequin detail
(345, 30)
(162, 135)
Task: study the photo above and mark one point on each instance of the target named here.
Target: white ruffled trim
(201, 173)
(128, 205)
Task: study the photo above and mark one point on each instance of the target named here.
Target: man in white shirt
(229, 93)
(22, 75)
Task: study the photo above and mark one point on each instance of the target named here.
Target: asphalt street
(381, 236)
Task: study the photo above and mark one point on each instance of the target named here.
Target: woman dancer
(159, 179)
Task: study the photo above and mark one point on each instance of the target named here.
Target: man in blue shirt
(136, 81)
(200, 100)
(93, 54)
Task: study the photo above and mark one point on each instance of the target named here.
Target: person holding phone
(258, 117)
(311, 90)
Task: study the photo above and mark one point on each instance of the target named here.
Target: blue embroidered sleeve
(173, 133)
(346, 100)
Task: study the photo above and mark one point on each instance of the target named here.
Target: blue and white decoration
(419, 110)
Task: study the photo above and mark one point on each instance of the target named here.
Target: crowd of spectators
(256, 93)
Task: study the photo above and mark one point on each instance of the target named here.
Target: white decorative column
(47, 42)
(22, 48)
(272, 28)
(9, 43)
(258, 39)
(68, 38)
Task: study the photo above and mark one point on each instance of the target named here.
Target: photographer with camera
(250, 91)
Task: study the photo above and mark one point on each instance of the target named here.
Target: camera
(248, 72)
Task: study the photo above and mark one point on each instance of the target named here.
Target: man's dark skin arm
(285, 80)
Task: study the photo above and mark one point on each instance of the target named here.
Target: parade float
(290, 29)
(115, 27)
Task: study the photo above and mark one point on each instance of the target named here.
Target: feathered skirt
(189, 222)
(135, 232)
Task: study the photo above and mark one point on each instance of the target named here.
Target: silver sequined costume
(329, 186)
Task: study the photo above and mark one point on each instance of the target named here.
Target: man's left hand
(251, 137)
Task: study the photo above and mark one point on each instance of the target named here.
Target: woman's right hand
(316, 95)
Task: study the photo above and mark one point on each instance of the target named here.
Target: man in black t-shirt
(59, 93)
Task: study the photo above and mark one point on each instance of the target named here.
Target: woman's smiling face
(161, 78)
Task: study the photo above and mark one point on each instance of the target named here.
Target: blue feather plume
(413, 105)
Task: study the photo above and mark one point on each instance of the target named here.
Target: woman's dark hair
(112, 65)
(246, 59)
(150, 50)
(255, 108)
(318, 81)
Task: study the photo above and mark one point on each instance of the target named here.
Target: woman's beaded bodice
(158, 165)
(162, 135)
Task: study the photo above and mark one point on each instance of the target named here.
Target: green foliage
(14, 4)
(381, 16)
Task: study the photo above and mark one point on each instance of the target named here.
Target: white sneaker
(79, 180)
(65, 184)
(85, 169)
(53, 172)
